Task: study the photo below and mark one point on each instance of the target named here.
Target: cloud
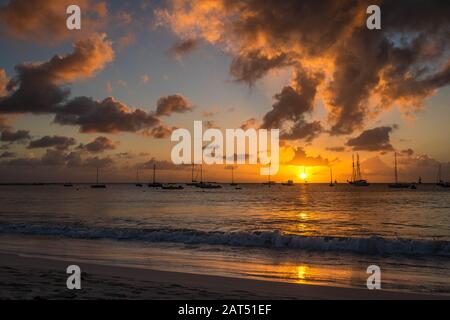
(45, 21)
(249, 123)
(125, 41)
(173, 103)
(59, 142)
(408, 152)
(59, 158)
(292, 105)
(36, 87)
(302, 159)
(162, 165)
(40, 88)
(376, 139)
(161, 132)
(252, 66)
(100, 144)
(365, 72)
(11, 136)
(336, 149)
(183, 48)
(106, 116)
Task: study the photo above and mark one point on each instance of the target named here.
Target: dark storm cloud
(107, 116)
(254, 65)
(376, 139)
(38, 87)
(292, 104)
(59, 142)
(100, 144)
(172, 104)
(403, 63)
(11, 136)
(183, 48)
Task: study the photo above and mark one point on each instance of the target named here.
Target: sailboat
(441, 182)
(269, 182)
(193, 181)
(154, 184)
(331, 178)
(206, 185)
(172, 187)
(398, 185)
(289, 183)
(138, 184)
(232, 177)
(97, 185)
(356, 174)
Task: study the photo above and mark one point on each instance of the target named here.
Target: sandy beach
(39, 278)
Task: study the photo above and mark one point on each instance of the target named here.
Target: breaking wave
(259, 239)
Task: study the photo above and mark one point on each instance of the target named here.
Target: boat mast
(232, 174)
(395, 169)
(137, 175)
(331, 175)
(192, 174)
(439, 175)
(358, 168)
(97, 176)
(201, 173)
(154, 173)
(353, 168)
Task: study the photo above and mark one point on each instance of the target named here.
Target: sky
(109, 95)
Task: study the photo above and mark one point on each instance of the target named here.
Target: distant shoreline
(25, 277)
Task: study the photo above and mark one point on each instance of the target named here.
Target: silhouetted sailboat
(357, 179)
(331, 178)
(97, 185)
(232, 177)
(289, 183)
(206, 185)
(193, 180)
(154, 184)
(138, 184)
(398, 185)
(269, 182)
(441, 182)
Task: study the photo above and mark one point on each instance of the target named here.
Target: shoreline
(43, 278)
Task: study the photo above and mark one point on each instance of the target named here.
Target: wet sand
(23, 277)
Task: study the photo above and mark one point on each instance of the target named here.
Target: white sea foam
(271, 240)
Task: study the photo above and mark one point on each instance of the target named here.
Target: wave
(373, 245)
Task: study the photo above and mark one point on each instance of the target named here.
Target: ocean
(312, 233)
